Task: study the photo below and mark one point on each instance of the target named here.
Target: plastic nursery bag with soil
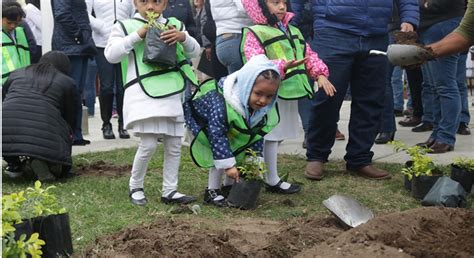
(156, 51)
(446, 192)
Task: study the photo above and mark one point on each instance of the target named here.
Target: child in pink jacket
(283, 43)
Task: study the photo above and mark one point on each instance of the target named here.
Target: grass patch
(100, 205)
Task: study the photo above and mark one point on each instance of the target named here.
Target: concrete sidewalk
(383, 153)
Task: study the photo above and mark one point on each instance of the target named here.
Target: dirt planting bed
(422, 232)
(102, 168)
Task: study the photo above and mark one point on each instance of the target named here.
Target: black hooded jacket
(38, 114)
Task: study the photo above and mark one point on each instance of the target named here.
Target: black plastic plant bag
(446, 192)
(244, 194)
(156, 51)
(56, 232)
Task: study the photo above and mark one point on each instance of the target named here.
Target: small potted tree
(39, 212)
(15, 231)
(462, 171)
(244, 194)
(420, 170)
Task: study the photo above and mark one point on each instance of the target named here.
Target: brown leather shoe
(439, 147)
(410, 121)
(427, 144)
(314, 170)
(371, 172)
(340, 136)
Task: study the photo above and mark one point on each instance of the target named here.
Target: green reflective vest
(171, 80)
(14, 56)
(239, 134)
(278, 45)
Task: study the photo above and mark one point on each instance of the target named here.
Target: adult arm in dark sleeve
(62, 12)
(68, 100)
(297, 8)
(409, 12)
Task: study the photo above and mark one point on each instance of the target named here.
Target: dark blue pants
(79, 74)
(110, 84)
(348, 62)
(387, 123)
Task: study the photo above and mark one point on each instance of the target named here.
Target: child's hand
(142, 31)
(327, 86)
(233, 172)
(294, 63)
(172, 36)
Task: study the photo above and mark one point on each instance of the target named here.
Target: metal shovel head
(404, 55)
(348, 210)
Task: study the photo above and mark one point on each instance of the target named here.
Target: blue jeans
(387, 122)
(397, 86)
(228, 51)
(79, 74)
(89, 88)
(348, 62)
(465, 116)
(427, 93)
(447, 98)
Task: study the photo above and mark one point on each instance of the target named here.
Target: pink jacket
(252, 47)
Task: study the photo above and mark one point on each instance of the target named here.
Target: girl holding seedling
(153, 93)
(229, 117)
(282, 43)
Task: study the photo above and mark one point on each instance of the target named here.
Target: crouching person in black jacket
(38, 114)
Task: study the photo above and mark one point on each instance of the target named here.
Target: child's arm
(217, 133)
(190, 46)
(119, 45)
(318, 71)
(315, 66)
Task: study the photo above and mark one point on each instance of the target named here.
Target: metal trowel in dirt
(348, 210)
(405, 55)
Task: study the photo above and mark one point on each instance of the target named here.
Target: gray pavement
(382, 153)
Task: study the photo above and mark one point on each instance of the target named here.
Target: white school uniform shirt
(137, 105)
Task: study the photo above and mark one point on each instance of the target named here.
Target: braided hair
(270, 75)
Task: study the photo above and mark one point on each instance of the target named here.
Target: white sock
(270, 155)
(215, 178)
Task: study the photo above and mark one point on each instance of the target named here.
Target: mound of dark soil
(202, 238)
(102, 168)
(408, 38)
(422, 232)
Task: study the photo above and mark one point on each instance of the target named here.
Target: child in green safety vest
(229, 117)
(153, 95)
(281, 42)
(15, 50)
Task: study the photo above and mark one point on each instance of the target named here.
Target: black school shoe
(139, 202)
(81, 142)
(181, 200)
(294, 188)
(210, 196)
